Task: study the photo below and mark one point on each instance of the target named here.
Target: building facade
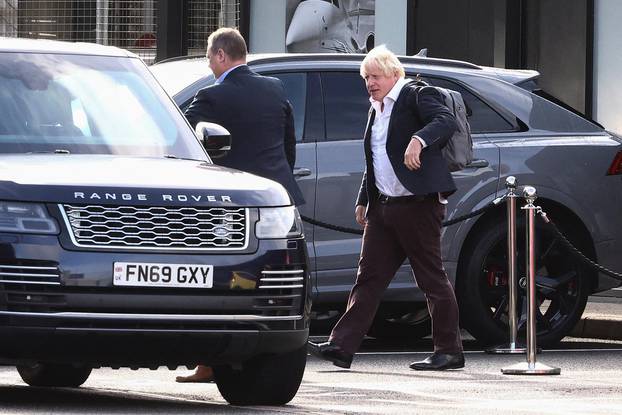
(572, 43)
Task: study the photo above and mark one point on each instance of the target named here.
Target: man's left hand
(411, 156)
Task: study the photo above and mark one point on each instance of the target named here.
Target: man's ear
(222, 56)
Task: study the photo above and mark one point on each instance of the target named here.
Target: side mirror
(215, 138)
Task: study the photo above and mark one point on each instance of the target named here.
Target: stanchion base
(508, 349)
(527, 369)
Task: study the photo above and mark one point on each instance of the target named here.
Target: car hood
(115, 180)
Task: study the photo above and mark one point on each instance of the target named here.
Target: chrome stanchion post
(512, 347)
(531, 367)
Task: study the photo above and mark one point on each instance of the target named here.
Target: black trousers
(396, 231)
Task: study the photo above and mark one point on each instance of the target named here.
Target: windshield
(88, 105)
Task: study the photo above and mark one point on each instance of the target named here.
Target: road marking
(583, 350)
(481, 352)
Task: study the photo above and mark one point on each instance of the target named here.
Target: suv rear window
(482, 118)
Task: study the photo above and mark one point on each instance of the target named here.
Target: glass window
(89, 105)
(482, 118)
(295, 85)
(296, 90)
(346, 104)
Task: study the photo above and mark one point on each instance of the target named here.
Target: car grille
(26, 282)
(281, 279)
(29, 274)
(135, 227)
(281, 290)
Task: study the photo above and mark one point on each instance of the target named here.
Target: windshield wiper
(172, 156)
(57, 151)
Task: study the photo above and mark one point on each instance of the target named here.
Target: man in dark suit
(401, 204)
(259, 117)
(253, 108)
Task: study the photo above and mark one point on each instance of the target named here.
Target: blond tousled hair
(384, 60)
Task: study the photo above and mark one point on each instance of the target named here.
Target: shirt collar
(225, 73)
(394, 93)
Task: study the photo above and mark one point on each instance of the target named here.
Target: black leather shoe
(331, 352)
(440, 361)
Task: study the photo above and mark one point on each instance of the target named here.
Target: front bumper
(76, 314)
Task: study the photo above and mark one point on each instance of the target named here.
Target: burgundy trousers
(396, 231)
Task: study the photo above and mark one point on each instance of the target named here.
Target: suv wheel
(562, 286)
(410, 326)
(52, 374)
(264, 380)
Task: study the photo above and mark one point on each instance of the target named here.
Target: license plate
(137, 274)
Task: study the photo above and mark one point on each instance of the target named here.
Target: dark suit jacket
(431, 120)
(259, 117)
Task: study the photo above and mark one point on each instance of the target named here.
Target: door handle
(478, 164)
(301, 172)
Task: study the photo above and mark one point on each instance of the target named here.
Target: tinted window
(296, 89)
(295, 85)
(346, 104)
(482, 118)
(94, 105)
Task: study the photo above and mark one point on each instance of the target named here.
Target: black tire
(264, 380)
(562, 286)
(52, 374)
(410, 326)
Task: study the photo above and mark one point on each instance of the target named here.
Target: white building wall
(391, 25)
(267, 26)
(607, 64)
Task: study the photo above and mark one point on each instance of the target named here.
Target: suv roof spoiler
(357, 57)
(353, 57)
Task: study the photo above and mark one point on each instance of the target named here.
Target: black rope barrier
(591, 264)
(445, 223)
(475, 212)
(332, 227)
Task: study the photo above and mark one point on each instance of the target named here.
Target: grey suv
(517, 129)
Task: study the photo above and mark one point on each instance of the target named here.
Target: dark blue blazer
(428, 118)
(255, 110)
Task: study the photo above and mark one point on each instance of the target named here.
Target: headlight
(282, 222)
(26, 218)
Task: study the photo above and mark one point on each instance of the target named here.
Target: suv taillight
(616, 165)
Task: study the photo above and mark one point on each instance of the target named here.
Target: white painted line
(481, 352)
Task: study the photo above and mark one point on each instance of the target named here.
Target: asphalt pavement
(379, 383)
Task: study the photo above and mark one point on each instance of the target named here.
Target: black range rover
(122, 245)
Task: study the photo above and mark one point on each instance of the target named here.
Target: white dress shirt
(225, 73)
(386, 180)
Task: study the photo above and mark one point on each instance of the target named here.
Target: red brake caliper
(496, 276)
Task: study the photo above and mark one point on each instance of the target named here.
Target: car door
(308, 128)
(305, 170)
(340, 163)
(478, 181)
